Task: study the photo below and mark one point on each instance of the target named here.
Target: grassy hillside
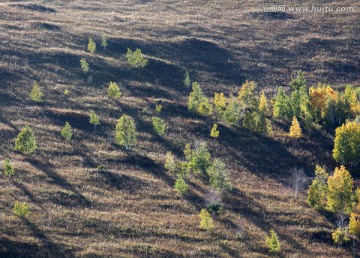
(131, 209)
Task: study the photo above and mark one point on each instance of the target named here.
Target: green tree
(340, 191)
(214, 131)
(299, 81)
(220, 103)
(21, 209)
(66, 132)
(180, 185)
(219, 176)
(104, 43)
(272, 242)
(263, 104)
(158, 108)
(232, 112)
(206, 221)
(198, 158)
(26, 141)
(84, 65)
(125, 133)
(113, 90)
(318, 189)
(187, 81)
(136, 58)
(8, 168)
(282, 106)
(246, 93)
(159, 125)
(91, 46)
(347, 144)
(170, 164)
(94, 119)
(205, 108)
(36, 94)
(195, 98)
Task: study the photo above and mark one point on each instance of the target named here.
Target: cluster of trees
(198, 160)
(336, 194)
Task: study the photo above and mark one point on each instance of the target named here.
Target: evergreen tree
(136, 58)
(66, 132)
(170, 164)
(246, 94)
(104, 43)
(8, 168)
(113, 90)
(180, 185)
(220, 104)
(219, 176)
(84, 65)
(125, 133)
(232, 112)
(158, 108)
(272, 242)
(347, 144)
(296, 103)
(299, 81)
(206, 221)
(94, 119)
(205, 108)
(263, 104)
(195, 98)
(214, 131)
(187, 81)
(91, 46)
(36, 94)
(159, 125)
(318, 189)
(282, 106)
(295, 129)
(199, 158)
(26, 142)
(340, 191)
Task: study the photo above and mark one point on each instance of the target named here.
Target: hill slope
(131, 209)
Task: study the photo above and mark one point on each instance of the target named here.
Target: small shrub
(187, 81)
(94, 119)
(114, 90)
(215, 208)
(206, 221)
(136, 58)
(101, 167)
(339, 236)
(180, 185)
(36, 94)
(214, 131)
(104, 43)
(91, 46)
(272, 242)
(21, 209)
(26, 141)
(8, 168)
(159, 125)
(66, 132)
(84, 65)
(158, 108)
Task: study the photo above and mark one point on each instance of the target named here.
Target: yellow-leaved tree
(295, 129)
(206, 222)
(340, 191)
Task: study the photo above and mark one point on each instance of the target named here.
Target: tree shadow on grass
(48, 169)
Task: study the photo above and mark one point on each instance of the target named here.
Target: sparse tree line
(304, 106)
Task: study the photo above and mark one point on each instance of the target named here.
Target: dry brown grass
(131, 209)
